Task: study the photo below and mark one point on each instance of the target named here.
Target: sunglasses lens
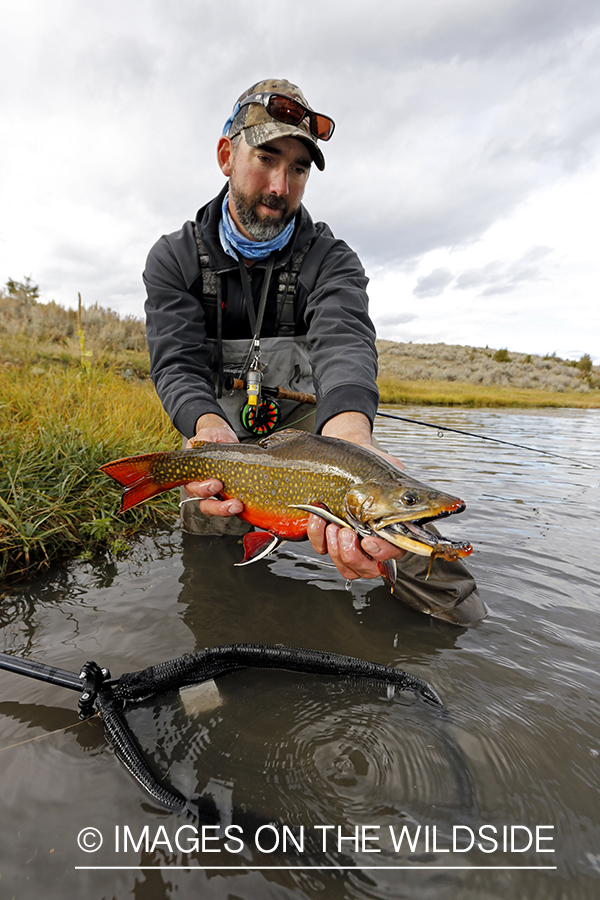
(321, 126)
(285, 109)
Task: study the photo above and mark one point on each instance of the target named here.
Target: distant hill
(485, 367)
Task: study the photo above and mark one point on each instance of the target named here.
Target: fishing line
(293, 424)
(441, 428)
(484, 437)
(47, 734)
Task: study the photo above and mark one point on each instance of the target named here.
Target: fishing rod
(261, 413)
(277, 393)
(485, 437)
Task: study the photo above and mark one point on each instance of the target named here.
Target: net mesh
(208, 664)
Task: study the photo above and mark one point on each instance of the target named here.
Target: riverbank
(58, 426)
(448, 393)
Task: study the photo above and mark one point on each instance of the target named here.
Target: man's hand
(216, 430)
(352, 557)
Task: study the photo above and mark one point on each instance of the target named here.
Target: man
(254, 286)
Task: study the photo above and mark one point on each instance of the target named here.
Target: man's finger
(381, 550)
(315, 532)
(221, 507)
(203, 489)
(350, 557)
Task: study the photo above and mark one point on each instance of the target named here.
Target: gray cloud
(499, 277)
(433, 285)
(391, 319)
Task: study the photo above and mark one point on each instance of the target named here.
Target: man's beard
(260, 229)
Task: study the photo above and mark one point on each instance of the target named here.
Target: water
(283, 751)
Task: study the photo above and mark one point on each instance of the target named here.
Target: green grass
(59, 426)
(452, 393)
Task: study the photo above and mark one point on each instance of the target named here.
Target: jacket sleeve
(341, 336)
(180, 357)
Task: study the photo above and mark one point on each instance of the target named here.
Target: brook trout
(288, 475)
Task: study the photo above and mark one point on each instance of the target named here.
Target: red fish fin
(258, 544)
(388, 572)
(133, 473)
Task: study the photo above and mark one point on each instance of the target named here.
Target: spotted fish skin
(262, 478)
(291, 468)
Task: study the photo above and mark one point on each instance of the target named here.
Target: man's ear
(225, 155)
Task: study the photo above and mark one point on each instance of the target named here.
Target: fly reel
(259, 415)
(262, 417)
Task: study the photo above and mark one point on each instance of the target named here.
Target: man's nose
(279, 181)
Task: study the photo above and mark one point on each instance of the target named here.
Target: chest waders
(281, 361)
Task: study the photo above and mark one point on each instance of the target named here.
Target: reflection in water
(304, 753)
(522, 746)
(306, 748)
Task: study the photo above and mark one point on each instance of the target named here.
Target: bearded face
(260, 227)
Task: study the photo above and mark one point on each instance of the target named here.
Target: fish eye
(410, 498)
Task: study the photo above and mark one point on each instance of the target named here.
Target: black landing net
(110, 696)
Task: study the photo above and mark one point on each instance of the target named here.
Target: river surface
(342, 766)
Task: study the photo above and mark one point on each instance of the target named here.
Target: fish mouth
(412, 536)
(407, 534)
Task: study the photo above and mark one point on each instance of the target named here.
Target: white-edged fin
(257, 545)
(389, 572)
(199, 698)
(320, 511)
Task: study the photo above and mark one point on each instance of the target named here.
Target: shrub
(23, 288)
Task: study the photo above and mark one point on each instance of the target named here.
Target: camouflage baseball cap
(259, 127)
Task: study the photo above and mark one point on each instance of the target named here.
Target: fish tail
(135, 474)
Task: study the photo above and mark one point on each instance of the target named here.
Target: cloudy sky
(465, 167)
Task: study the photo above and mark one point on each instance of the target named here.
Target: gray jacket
(330, 310)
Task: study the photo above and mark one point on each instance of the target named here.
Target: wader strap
(285, 323)
(286, 288)
(212, 285)
(219, 338)
(209, 279)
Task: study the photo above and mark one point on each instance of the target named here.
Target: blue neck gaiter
(235, 244)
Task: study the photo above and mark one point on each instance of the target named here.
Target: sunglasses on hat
(290, 111)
